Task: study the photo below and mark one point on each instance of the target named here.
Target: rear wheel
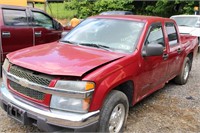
(185, 71)
(199, 45)
(114, 112)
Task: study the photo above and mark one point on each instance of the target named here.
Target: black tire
(1, 71)
(115, 103)
(182, 78)
(199, 45)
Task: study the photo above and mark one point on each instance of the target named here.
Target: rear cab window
(15, 17)
(172, 34)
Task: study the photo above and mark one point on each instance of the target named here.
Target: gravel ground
(172, 109)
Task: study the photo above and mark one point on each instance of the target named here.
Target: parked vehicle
(88, 80)
(188, 24)
(116, 13)
(22, 27)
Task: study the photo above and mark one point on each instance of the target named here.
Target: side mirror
(57, 25)
(197, 25)
(152, 49)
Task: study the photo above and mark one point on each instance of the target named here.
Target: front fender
(113, 80)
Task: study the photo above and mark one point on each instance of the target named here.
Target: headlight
(70, 104)
(4, 70)
(79, 104)
(5, 65)
(74, 85)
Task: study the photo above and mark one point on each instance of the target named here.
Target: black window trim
(178, 41)
(27, 16)
(36, 11)
(149, 30)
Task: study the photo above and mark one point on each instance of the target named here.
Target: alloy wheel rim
(186, 71)
(117, 118)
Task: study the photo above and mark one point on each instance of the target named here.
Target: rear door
(44, 29)
(16, 32)
(175, 53)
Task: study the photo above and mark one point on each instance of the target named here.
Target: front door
(44, 29)
(153, 68)
(16, 32)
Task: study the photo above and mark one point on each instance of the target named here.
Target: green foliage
(87, 8)
(164, 8)
(109, 5)
(57, 10)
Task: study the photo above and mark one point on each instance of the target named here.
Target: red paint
(60, 59)
(24, 36)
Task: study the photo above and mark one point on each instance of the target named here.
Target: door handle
(5, 34)
(179, 50)
(165, 56)
(38, 34)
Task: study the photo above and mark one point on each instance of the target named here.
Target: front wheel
(199, 45)
(114, 113)
(185, 71)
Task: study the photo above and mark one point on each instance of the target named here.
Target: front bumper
(48, 120)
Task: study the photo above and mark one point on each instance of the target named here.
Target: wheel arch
(190, 56)
(127, 88)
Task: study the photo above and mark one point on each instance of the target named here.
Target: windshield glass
(187, 21)
(113, 34)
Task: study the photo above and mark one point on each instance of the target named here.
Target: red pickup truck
(88, 80)
(22, 27)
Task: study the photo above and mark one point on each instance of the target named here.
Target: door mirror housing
(57, 25)
(152, 49)
(197, 25)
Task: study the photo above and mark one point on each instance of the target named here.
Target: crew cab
(22, 27)
(88, 80)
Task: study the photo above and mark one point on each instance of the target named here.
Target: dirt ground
(172, 109)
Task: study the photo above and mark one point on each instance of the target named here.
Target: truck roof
(141, 18)
(18, 7)
(186, 16)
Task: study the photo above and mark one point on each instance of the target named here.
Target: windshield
(112, 34)
(187, 21)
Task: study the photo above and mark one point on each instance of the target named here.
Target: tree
(87, 8)
(163, 8)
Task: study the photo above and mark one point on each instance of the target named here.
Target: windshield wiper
(184, 25)
(67, 41)
(96, 46)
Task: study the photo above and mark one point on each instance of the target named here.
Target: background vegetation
(85, 8)
(57, 10)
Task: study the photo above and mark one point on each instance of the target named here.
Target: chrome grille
(32, 76)
(27, 91)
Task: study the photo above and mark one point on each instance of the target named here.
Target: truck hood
(62, 59)
(189, 30)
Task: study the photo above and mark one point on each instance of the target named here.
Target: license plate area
(16, 113)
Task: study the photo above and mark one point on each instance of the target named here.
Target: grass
(57, 10)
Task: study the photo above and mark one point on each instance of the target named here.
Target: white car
(188, 24)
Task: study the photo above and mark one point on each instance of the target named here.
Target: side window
(42, 20)
(15, 17)
(172, 33)
(155, 35)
